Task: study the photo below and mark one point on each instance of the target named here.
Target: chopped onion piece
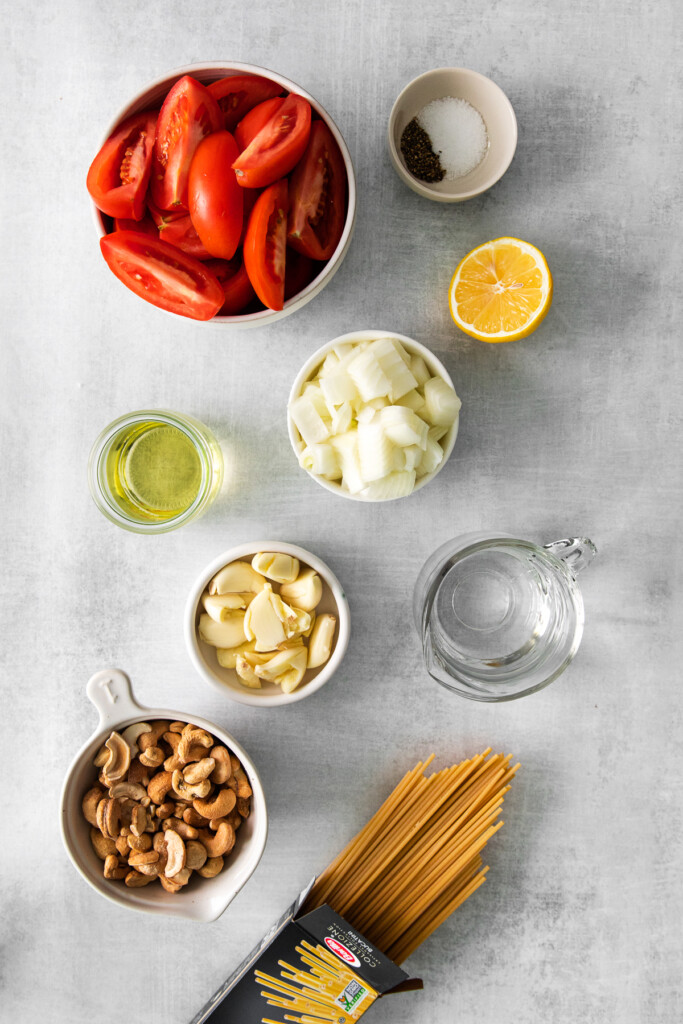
(338, 388)
(342, 419)
(330, 362)
(419, 370)
(438, 431)
(403, 426)
(412, 400)
(321, 459)
(442, 405)
(346, 447)
(431, 458)
(308, 421)
(394, 485)
(399, 375)
(368, 376)
(375, 451)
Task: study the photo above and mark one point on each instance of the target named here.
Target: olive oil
(153, 471)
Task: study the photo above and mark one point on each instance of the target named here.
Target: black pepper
(420, 158)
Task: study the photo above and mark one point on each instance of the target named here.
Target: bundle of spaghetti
(310, 993)
(418, 858)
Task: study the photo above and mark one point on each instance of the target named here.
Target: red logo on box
(342, 952)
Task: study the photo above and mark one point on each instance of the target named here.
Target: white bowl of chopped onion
(373, 416)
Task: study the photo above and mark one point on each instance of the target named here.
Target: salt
(457, 133)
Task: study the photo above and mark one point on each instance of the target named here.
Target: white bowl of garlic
(373, 416)
(267, 623)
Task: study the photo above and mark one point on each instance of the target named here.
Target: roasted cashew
(138, 821)
(142, 857)
(132, 790)
(102, 846)
(152, 757)
(221, 804)
(134, 879)
(113, 868)
(151, 738)
(222, 771)
(243, 806)
(213, 866)
(243, 787)
(132, 734)
(186, 791)
(199, 771)
(122, 847)
(184, 830)
(195, 855)
(118, 762)
(175, 849)
(109, 817)
(165, 810)
(139, 843)
(177, 726)
(169, 885)
(221, 842)
(192, 817)
(159, 786)
(89, 804)
(138, 773)
(192, 738)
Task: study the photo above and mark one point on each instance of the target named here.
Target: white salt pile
(457, 133)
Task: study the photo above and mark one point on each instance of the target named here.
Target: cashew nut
(184, 830)
(177, 726)
(138, 773)
(140, 843)
(134, 879)
(159, 786)
(222, 771)
(165, 810)
(175, 849)
(151, 738)
(173, 739)
(191, 817)
(122, 847)
(276, 566)
(199, 771)
(213, 866)
(102, 846)
(243, 806)
(320, 645)
(221, 842)
(236, 578)
(142, 857)
(133, 733)
(89, 804)
(305, 592)
(112, 868)
(243, 787)
(132, 790)
(168, 884)
(118, 762)
(190, 741)
(148, 869)
(195, 855)
(221, 804)
(186, 791)
(109, 817)
(101, 757)
(152, 757)
(138, 820)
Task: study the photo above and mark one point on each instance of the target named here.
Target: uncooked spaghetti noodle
(419, 856)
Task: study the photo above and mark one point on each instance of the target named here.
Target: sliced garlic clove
(236, 578)
(320, 646)
(227, 633)
(305, 592)
(262, 623)
(219, 606)
(290, 680)
(283, 661)
(245, 674)
(276, 566)
(227, 657)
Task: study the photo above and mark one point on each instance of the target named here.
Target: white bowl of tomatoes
(224, 193)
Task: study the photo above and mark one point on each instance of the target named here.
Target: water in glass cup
(500, 617)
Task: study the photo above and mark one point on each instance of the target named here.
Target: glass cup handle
(575, 552)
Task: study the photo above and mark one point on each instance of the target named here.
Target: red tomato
(146, 225)
(278, 147)
(264, 245)
(189, 113)
(162, 274)
(237, 287)
(318, 189)
(216, 200)
(239, 93)
(255, 120)
(177, 229)
(118, 176)
(299, 271)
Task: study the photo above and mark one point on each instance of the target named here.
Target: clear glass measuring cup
(500, 617)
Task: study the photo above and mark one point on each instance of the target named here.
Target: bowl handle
(111, 693)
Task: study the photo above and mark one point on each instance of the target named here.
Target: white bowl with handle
(204, 899)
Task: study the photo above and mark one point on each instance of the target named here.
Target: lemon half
(501, 290)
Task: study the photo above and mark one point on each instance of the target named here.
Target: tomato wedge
(189, 113)
(237, 287)
(216, 200)
(162, 274)
(237, 94)
(118, 176)
(255, 120)
(264, 245)
(146, 225)
(278, 147)
(318, 197)
(177, 229)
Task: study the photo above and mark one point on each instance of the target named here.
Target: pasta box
(309, 969)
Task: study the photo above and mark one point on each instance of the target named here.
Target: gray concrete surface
(575, 430)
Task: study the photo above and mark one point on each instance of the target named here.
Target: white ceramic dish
(204, 899)
(309, 370)
(494, 107)
(153, 95)
(225, 680)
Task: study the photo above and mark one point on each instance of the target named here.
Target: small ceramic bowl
(226, 680)
(204, 899)
(311, 367)
(496, 111)
(153, 95)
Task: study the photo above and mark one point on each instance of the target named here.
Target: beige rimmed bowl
(153, 95)
(204, 899)
(226, 680)
(311, 367)
(493, 105)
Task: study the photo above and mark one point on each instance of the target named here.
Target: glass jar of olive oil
(152, 471)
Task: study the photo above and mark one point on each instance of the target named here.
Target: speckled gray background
(575, 430)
